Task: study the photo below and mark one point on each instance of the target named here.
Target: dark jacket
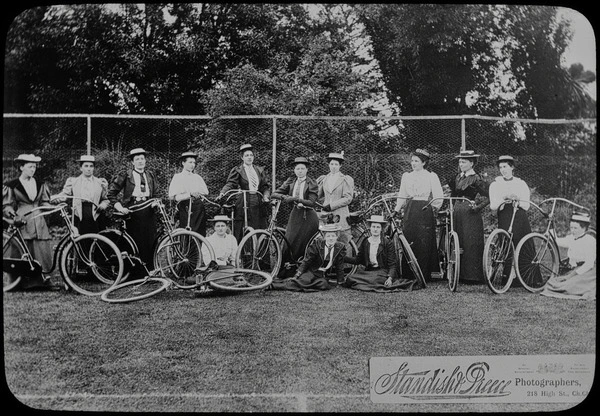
(124, 182)
(238, 179)
(308, 197)
(313, 259)
(386, 256)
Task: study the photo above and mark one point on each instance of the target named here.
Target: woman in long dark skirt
(303, 222)
(468, 222)
(417, 188)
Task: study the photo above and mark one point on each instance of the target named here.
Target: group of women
(334, 191)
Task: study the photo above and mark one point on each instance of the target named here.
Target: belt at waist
(420, 198)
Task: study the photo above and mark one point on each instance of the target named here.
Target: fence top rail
(294, 117)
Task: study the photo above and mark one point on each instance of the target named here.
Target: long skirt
(374, 281)
(572, 286)
(87, 224)
(142, 228)
(301, 226)
(42, 251)
(308, 281)
(468, 225)
(520, 229)
(257, 215)
(197, 217)
(419, 230)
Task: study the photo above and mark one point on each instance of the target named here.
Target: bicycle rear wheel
(411, 259)
(453, 269)
(90, 264)
(498, 254)
(537, 260)
(11, 249)
(239, 280)
(135, 290)
(259, 250)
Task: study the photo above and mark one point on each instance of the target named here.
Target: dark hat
(377, 218)
(87, 158)
(185, 155)
(336, 156)
(422, 153)
(135, 152)
(581, 217)
(301, 160)
(466, 154)
(505, 158)
(217, 218)
(245, 147)
(28, 158)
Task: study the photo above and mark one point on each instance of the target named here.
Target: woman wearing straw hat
(248, 176)
(185, 188)
(90, 187)
(323, 254)
(224, 244)
(21, 195)
(416, 189)
(336, 191)
(303, 222)
(137, 185)
(580, 281)
(378, 256)
(468, 221)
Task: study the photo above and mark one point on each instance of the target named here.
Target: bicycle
(448, 244)
(234, 192)
(537, 257)
(76, 255)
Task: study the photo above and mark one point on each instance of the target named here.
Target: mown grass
(269, 350)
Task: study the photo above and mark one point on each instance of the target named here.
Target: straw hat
(505, 158)
(466, 154)
(87, 158)
(336, 156)
(325, 228)
(185, 155)
(377, 218)
(245, 147)
(422, 153)
(135, 152)
(581, 217)
(217, 218)
(300, 160)
(28, 158)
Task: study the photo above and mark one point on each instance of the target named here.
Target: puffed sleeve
(45, 194)
(9, 205)
(347, 194)
(66, 191)
(104, 193)
(284, 189)
(233, 180)
(320, 192)
(436, 190)
(313, 192)
(402, 192)
(115, 187)
(265, 183)
(589, 255)
(495, 198)
(524, 195)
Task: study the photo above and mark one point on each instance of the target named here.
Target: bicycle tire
(453, 270)
(498, 248)
(441, 250)
(411, 259)
(239, 280)
(351, 251)
(537, 260)
(134, 290)
(11, 249)
(179, 257)
(124, 243)
(259, 250)
(90, 264)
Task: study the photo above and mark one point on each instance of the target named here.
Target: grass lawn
(269, 350)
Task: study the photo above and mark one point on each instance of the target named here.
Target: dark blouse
(469, 187)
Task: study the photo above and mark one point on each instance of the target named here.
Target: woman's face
(220, 229)
(330, 238)
(248, 157)
(416, 163)
(189, 164)
(375, 229)
(465, 164)
(28, 169)
(300, 170)
(87, 168)
(139, 162)
(334, 166)
(576, 229)
(506, 170)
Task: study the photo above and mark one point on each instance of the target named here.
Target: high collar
(467, 173)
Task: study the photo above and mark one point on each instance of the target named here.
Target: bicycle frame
(233, 192)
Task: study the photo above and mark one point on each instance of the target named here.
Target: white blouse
(580, 249)
(184, 183)
(224, 247)
(502, 188)
(420, 185)
(373, 247)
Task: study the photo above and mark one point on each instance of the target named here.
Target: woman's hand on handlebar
(121, 209)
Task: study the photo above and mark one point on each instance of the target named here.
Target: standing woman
(185, 188)
(420, 186)
(21, 195)
(303, 222)
(336, 191)
(468, 222)
(248, 176)
(138, 185)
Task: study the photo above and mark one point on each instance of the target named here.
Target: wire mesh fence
(554, 157)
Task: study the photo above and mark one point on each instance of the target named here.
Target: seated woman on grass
(378, 256)
(580, 281)
(322, 255)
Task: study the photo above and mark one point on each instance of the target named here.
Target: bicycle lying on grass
(88, 263)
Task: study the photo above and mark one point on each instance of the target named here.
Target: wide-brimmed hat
(377, 218)
(87, 158)
(300, 160)
(245, 147)
(135, 152)
(218, 218)
(505, 158)
(28, 158)
(422, 153)
(185, 155)
(466, 154)
(581, 217)
(336, 156)
(325, 228)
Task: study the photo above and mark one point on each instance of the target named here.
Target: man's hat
(135, 152)
(377, 218)
(29, 158)
(581, 217)
(422, 153)
(466, 154)
(245, 147)
(185, 155)
(218, 218)
(87, 158)
(505, 158)
(301, 160)
(329, 228)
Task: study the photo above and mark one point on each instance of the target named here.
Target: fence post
(89, 135)
(463, 134)
(274, 155)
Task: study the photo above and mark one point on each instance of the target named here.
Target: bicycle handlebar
(233, 192)
(565, 200)
(49, 210)
(453, 198)
(57, 197)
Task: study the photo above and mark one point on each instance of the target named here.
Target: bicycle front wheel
(453, 269)
(498, 256)
(411, 259)
(90, 264)
(11, 249)
(537, 260)
(124, 243)
(239, 280)
(259, 250)
(135, 290)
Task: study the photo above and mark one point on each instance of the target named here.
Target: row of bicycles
(100, 264)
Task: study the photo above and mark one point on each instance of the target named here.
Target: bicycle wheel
(239, 280)
(178, 256)
(90, 264)
(413, 264)
(498, 254)
(135, 290)
(351, 251)
(259, 250)
(441, 250)
(453, 269)
(11, 249)
(537, 260)
(124, 243)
